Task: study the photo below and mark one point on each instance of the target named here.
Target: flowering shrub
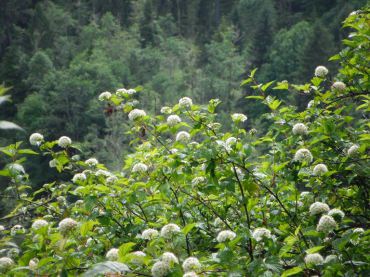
(200, 199)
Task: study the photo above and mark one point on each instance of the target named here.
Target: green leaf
(125, 248)
(291, 271)
(87, 226)
(266, 86)
(314, 249)
(188, 228)
(27, 151)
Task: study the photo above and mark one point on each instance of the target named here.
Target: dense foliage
(56, 55)
(197, 198)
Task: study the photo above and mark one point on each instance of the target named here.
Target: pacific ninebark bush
(199, 199)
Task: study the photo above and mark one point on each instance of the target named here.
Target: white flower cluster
(160, 269)
(330, 259)
(16, 169)
(166, 110)
(33, 263)
(321, 71)
(259, 233)
(339, 86)
(138, 257)
(314, 259)
(173, 119)
(198, 180)
(300, 129)
(169, 258)
(91, 162)
(106, 95)
(53, 163)
(39, 223)
(185, 102)
(320, 169)
(79, 177)
(303, 154)
(336, 213)
(112, 179)
(225, 235)
(353, 150)
(125, 92)
(319, 208)
(102, 172)
(182, 136)
(2, 228)
(140, 167)
(305, 194)
(64, 141)
(6, 263)
(239, 117)
(169, 230)
(191, 264)
(112, 254)
(230, 141)
(67, 225)
(326, 224)
(149, 234)
(136, 114)
(17, 229)
(36, 139)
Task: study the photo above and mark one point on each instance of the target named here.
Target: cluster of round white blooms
(166, 110)
(79, 177)
(36, 139)
(112, 179)
(67, 225)
(32, 264)
(339, 86)
(191, 264)
(102, 172)
(17, 229)
(300, 129)
(321, 71)
(149, 234)
(2, 228)
(190, 274)
(91, 162)
(259, 233)
(182, 136)
(106, 95)
(64, 141)
(239, 117)
(326, 224)
(39, 223)
(305, 194)
(160, 269)
(170, 229)
(336, 213)
(6, 263)
(225, 235)
(314, 259)
(112, 254)
(320, 169)
(173, 119)
(123, 91)
(136, 114)
(140, 167)
(169, 258)
(358, 231)
(353, 150)
(230, 141)
(330, 259)
(16, 169)
(310, 104)
(319, 208)
(303, 154)
(198, 180)
(185, 102)
(53, 163)
(138, 256)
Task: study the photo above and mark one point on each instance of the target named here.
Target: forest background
(58, 56)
